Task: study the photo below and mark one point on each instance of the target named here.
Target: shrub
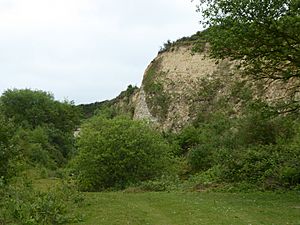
(164, 183)
(289, 173)
(7, 130)
(201, 140)
(269, 166)
(249, 164)
(118, 152)
(201, 157)
(156, 97)
(35, 129)
(202, 180)
(20, 203)
(262, 125)
(35, 147)
(36, 108)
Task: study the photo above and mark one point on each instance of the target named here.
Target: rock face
(178, 84)
(141, 108)
(169, 94)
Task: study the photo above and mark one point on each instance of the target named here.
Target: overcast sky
(86, 50)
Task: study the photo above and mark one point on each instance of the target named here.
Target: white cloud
(87, 50)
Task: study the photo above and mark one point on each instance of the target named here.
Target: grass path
(118, 208)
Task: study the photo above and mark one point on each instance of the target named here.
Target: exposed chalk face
(178, 76)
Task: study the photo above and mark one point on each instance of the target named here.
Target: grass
(163, 208)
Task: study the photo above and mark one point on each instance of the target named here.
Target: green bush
(34, 146)
(268, 166)
(118, 152)
(201, 157)
(20, 203)
(252, 164)
(7, 130)
(33, 108)
(260, 124)
(35, 130)
(259, 147)
(200, 141)
(202, 180)
(162, 184)
(289, 172)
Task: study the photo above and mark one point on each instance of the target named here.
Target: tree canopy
(264, 35)
(35, 108)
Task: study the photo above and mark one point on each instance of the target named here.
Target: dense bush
(42, 129)
(36, 148)
(260, 124)
(258, 147)
(200, 141)
(6, 151)
(118, 152)
(37, 108)
(20, 203)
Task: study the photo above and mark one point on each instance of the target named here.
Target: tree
(263, 35)
(35, 108)
(38, 114)
(114, 153)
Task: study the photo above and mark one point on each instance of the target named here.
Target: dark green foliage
(118, 152)
(204, 138)
(270, 166)
(6, 152)
(88, 110)
(200, 157)
(21, 204)
(258, 147)
(166, 46)
(35, 147)
(157, 99)
(261, 125)
(37, 108)
(35, 130)
(264, 34)
(27, 107)
(197, 41)
(188, 138)
(289, 172)
(111, 108)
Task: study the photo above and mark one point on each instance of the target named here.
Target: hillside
(183, 81)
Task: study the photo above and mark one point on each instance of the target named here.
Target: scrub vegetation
(229, 166)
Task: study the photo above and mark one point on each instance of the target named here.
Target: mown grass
(191, 208)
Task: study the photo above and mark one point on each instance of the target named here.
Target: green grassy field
(190, 208)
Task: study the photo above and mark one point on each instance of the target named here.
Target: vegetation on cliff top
(119, 105)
